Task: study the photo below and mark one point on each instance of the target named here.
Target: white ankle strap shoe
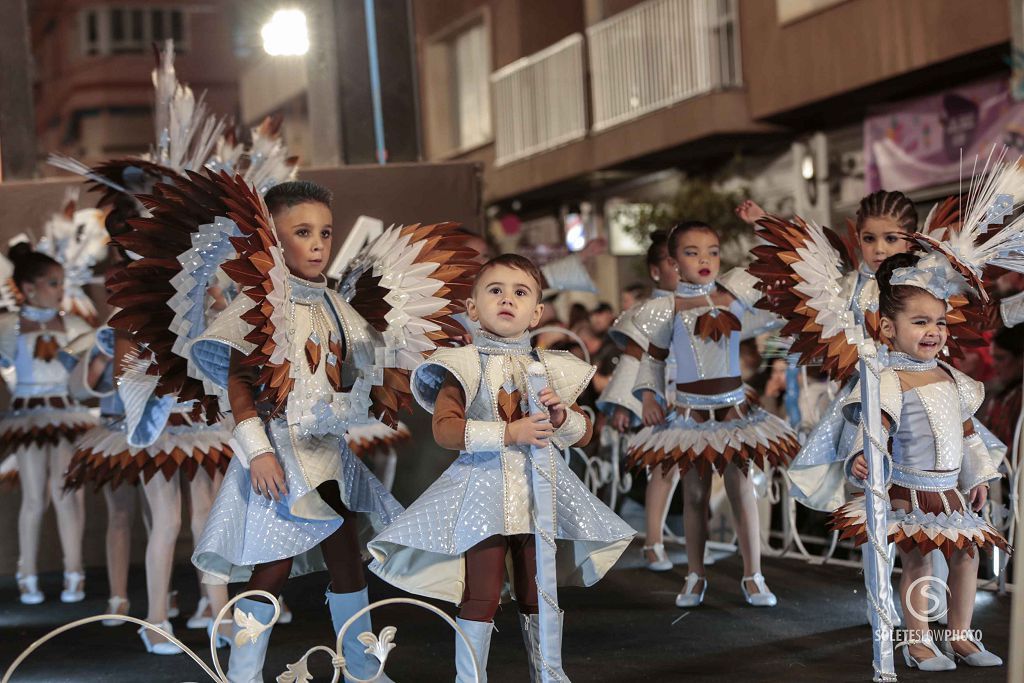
(687, 597)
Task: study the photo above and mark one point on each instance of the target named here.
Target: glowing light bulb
(286, 34)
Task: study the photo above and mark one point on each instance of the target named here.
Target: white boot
(343, 605)
(246, 662)
(479, 635)
(539, 671)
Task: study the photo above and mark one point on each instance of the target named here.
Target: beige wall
(856, 44)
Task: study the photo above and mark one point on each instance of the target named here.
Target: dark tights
(485, 576)
(340, 550)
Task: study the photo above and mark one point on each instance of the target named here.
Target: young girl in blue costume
(44, 421)
(624, 409)
(711, 424)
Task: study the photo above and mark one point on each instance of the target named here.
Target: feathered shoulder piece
(800, 270)
(407, 284)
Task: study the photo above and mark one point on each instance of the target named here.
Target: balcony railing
(659, 53)
(540, 101)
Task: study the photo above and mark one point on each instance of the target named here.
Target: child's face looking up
(505, 301)
(305, 232)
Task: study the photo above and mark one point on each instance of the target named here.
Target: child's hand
(620, 419)
(533, 430)
(860, 467)
(267, 477)
(654, 414)
(979, 494)
(749, 212)
(555, 407)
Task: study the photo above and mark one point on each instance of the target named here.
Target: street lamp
(286, 34)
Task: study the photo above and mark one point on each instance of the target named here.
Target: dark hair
(892, 298)
(884, 204)
(638, 290)
(578, 315)
(603, 307)
(681, 229)
(518, 263)
(658, 248)
(295, 192)
(1010, 339)
(29, 265)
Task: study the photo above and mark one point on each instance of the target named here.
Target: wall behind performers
(396, 193)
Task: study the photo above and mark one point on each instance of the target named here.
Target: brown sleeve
(123, 345)
(633, 349)
(656, 352)
(585, 439)
(449, 421)
(241, 387)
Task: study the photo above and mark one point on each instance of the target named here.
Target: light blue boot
(479, 635)
(246, 662)
(540, 671)
(343, 606)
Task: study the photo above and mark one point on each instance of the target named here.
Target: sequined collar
(661, 293)
(904, 362)
(306, 292)
(863, 269)
(488, 343)
(689, 289)
(38, 315)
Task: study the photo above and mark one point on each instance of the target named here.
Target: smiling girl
(940, 467)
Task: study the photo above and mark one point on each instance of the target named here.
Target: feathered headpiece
(955, 263)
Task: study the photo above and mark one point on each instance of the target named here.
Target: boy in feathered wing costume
(451, 543)
(299, 364)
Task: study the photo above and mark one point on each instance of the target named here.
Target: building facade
(93, 62)
(604, 102)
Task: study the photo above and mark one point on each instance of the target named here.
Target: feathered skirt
(713, 436)
(103, 455)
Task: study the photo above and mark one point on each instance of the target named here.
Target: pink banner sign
(918, 143)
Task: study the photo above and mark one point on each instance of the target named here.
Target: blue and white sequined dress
(245, 529)
(487, 490)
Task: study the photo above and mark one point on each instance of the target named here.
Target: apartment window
(130, 30)
(458, 90)
(471, 71)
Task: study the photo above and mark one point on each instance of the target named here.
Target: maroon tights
(485, 576)
(340, 550)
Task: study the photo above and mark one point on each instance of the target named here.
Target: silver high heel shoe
(661, 563)
(686, 597)
(116, 605)
(980, 658)
(939, 662)
(763, 597)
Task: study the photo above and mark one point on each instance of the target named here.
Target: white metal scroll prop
(380, 646)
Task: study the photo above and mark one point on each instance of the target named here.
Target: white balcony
(659, 53)
(540, 101)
